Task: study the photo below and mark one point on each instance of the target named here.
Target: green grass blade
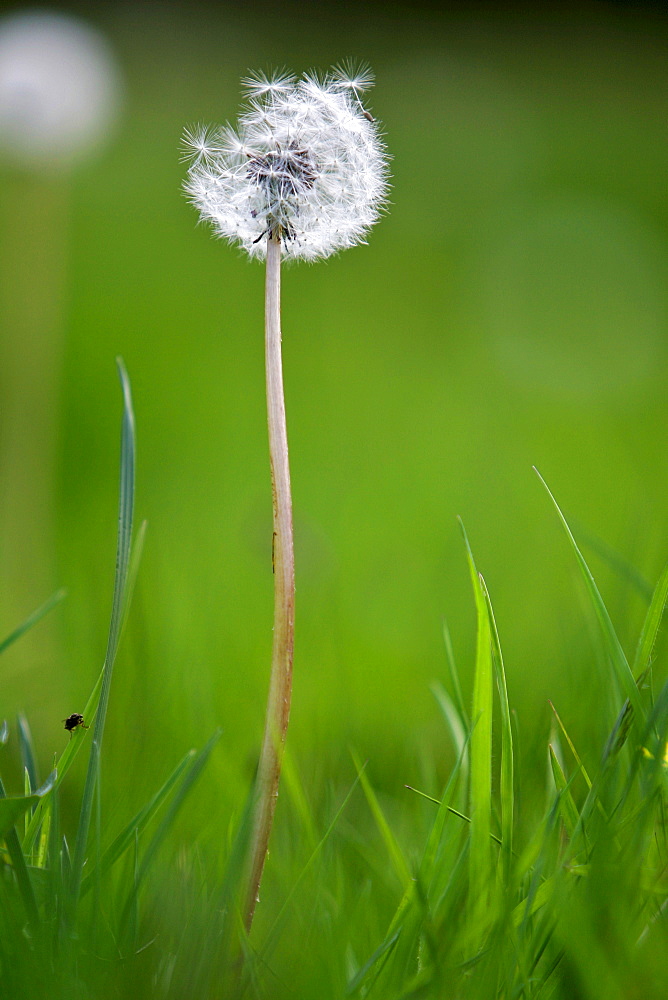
(480, 856)
(295, 790)
(126, 837)
(582, 769)
(11, 809)
(119, 603)
(273, 930)
(651, 625)
(454, 677)
(529, 906)
(32, 619)
(625, 570)
(54, 898)
(450, 809)
(445, 807)
(507, 747)
(72, 747)
(43, 845)
(14, 806)
(381, 952)
(612, 644)
(458, 727)
(194, 769)
(395, 853)
(27, 751)
(567, 807)
(75, 741)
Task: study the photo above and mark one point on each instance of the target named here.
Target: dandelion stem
(280, 685)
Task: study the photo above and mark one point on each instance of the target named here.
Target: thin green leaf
(480, 857)
(119, 604)
(507, 748)
(576, 757)
(126, 837)
(73, 745)
(567, 807)
(12, 807)
(612, 644)
(4, 733)
(27, 750)
(382, 951)
(55, 885)
(445, 807)
(457, 726)
(395, 854)
(8, 817)
(43, 845)
(454, 677)
(295, 790)
(622, 567)
(270, 938)
(32, 619)
(193, 772)
(651, 625)
(450, 809)
(533, 903)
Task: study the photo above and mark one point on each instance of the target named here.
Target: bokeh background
(510, 311)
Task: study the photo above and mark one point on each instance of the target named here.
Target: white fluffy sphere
(59, 88)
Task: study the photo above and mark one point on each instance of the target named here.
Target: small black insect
(73, 721)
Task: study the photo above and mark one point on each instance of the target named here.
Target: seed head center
(284, 172)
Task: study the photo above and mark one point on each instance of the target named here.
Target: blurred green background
(509, 311)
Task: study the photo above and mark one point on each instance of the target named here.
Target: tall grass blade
(395, 854)
(567, 807)
(126, 837)
(581, 768)
(381, 952)
(14, 806)
(192, 773)
(75, 741)
(8, 817)
(445, 807)
(458, 698)
(507, 746)
(273, 930)
(624, 569)
(295, 790)
(651, 625)
(32, 619)
(480, 856)
(612, 644)
(119, 603)
(54, 897)
(459, 728)
(72, 747)
(27, 751)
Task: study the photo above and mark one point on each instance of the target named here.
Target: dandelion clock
(302, 176)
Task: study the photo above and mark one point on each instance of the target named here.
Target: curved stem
(280, 685)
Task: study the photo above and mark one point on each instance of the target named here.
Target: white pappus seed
(305, 163)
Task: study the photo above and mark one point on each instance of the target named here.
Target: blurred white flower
(59, 88)
(306, 163)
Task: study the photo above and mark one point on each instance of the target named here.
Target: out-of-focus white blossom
(59, 88)
(305, 164)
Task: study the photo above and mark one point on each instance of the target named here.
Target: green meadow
(509, 312)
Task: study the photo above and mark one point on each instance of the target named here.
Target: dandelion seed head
(305, 164)
(348, 76)
(60, 89)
